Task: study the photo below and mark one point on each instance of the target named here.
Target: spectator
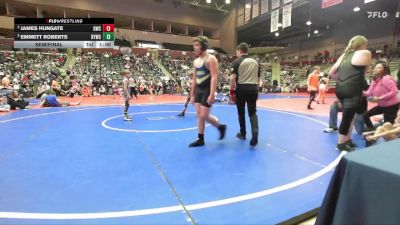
(45, 87)
(102, 90)
(5, 82)
(15, 101)
(86, 91)
(335, 108)
(115, 89)
(349, 73)
(4, 92)
(4, 107)
(383, 90)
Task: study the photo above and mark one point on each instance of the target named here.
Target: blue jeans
(333, 114)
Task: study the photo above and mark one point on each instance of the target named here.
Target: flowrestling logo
(377, 14)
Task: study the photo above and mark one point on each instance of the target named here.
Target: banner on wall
(264, 6)
(247, 11)
(329, 3)
(287, 16)
(240, 16)
(275, 4)
(256, 8)
(274, 20)
(240, 20)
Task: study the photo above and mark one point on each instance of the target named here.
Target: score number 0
(108, 27)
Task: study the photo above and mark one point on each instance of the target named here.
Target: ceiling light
(316, 31)
(227, 1)
(276, 34)
(208, 1)
(308, 23)
(279, 25)
(248, 6)
(356, 9)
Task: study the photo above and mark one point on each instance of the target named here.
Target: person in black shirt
(349, 74)
(245, 78)
(15, 101)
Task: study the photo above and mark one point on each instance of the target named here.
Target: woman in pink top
(383, 91)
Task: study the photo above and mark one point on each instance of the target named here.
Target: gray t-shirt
(247, 70)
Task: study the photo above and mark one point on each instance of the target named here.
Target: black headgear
(203, 42)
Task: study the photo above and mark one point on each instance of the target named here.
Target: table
(365, 188)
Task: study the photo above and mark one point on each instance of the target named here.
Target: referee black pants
(247, 93)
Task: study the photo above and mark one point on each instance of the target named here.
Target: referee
(244, 89)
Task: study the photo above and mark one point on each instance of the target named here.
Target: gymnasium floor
(85, 165)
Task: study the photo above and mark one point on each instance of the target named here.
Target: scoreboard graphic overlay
(64, 33)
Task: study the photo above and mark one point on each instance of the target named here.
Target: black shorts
(46, 104)
(201, 96)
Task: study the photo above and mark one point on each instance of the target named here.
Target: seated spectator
(86, 91)
(336, 107)
(142, 89)
(56, 88)
(96, 93)
(5, 82)
(151, 88)
(16, 102)
(115, 90)
(45, 87)
(55, 85)
(73, 91)
(102, 90)
(4, 107)
(387, 131)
